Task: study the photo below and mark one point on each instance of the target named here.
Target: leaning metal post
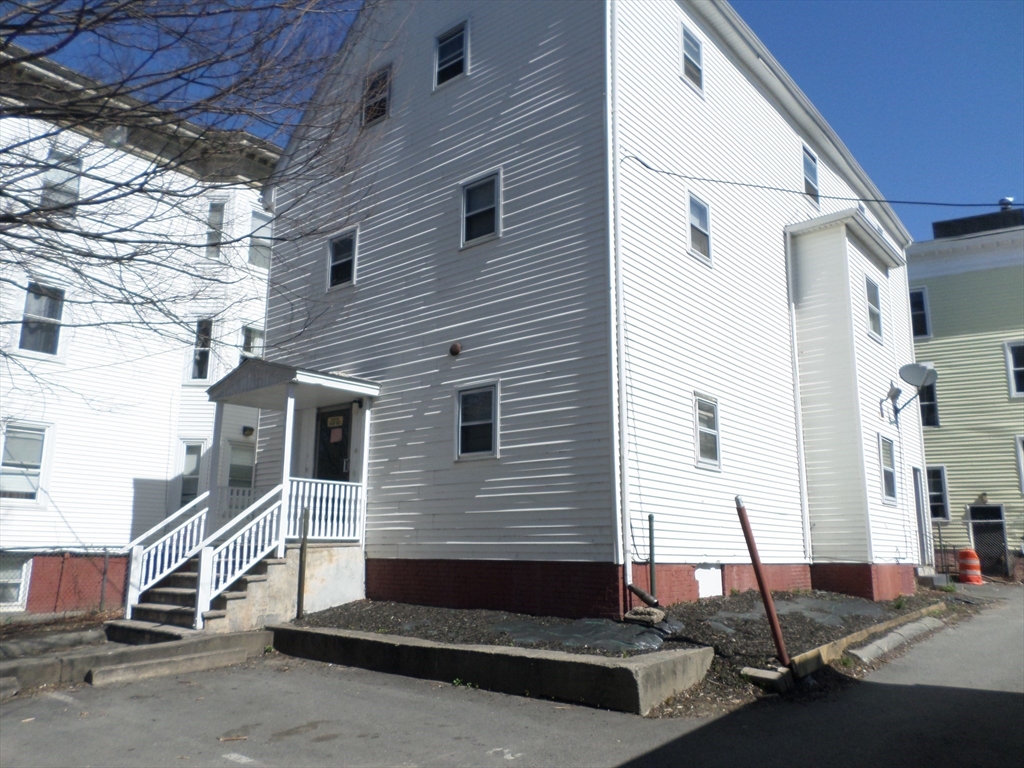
(650, 529)
(766, 595)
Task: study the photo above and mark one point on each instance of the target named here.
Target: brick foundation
(572, 590)
(874, 582)
(71, 582)
(780, 578)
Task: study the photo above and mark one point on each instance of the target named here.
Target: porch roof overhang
(261, 384)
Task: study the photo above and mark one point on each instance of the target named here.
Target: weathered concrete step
(164, 614)
(33, 646)
(180, 596)
(135, 632)
(8, 687)
(187, 580)
(177, 665)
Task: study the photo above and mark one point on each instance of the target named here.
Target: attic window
(810, 175)
(60, 184)
(376, 95)
(693, 60)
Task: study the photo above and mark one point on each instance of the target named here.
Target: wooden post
(300, 603)
(217, 505)
(204, 585)
(286, 470)
(766, 595)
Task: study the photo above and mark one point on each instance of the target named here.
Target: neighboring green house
(967, 307)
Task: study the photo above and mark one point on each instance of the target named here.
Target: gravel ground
(734, 625)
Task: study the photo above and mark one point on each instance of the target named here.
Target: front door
(333, 436)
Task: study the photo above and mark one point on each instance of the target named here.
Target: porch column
(214, 469)
(364, 469)
(286, 470)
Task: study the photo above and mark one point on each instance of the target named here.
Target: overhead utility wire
(801, 192)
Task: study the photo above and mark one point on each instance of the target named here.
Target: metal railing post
(204, 585)
(134, 580)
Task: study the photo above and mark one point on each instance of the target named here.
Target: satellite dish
(919, 374)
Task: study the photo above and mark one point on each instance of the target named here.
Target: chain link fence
(58, 582)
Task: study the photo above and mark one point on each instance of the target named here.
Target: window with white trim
(1015, 367)
(478, 422)
(240, 468)
(929, 406)
(693, 59)
(22, 464)
(481, 203)
(811, 175)
(919, 313)
(252, 343)
(190, 466)
(14, 578)
(887, 461)
(707, 431)
(61, 181)
(938, 499)
(1019, 442)
(40, 323)
(214, 230)
(450, 55)
(261, 240)
(700, 228)
(376, 95)
(342, 255)
(874, 308)
(201, 349)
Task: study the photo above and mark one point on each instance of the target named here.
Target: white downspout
(800, 462)
(620, 321)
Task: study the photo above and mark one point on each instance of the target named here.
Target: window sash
(887, 460)
(708, 449)
(700, 228)
(1015, 361)
(214, 230)
(693, 66)
(938, 501)
(342, 267)
(241, 466)
(477, 421)
(40, 323)
(874, 308)
(451, 54)
(201, 349)
(61, 183)
(480, 209)
(22, 463)
(261, 240)
(252, 343)
(376, 94)
(919, 314)
(811, 175)
(929, 406)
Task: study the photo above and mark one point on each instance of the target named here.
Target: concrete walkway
(955, 698)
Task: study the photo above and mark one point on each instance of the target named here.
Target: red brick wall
(69, 582)
(883, 581)
(780, 578)
(675, 581)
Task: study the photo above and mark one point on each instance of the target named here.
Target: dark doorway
(989, 531)
(333, 437)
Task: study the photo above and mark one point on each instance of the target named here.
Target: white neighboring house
(630, 342)
(106, 424)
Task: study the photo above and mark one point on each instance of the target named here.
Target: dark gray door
(333, 437)
(989, 532)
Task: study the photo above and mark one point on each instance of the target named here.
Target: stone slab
(634, 685)
(32, 646)
(178, 665)
(8, 687)
(896, 638)
(779, 680)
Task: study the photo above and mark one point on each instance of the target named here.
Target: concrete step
(220, 602)
(135, 632)
(177, 665)
(180, 596)
(164, 614)
(187, 579)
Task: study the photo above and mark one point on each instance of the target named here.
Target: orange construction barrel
(970, 567)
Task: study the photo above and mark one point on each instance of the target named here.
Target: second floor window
(480, 201)
(60, 184)
(887, 460)
(919, 313)
(938, 502)
(706, 411)
(214, 230)
(22, 462)
(343, 260)
(693, 59)
(201, 349)
(1015, 367)
(451, 54)
(810, 175)
(40, 325)
(252, 343)
(874, 308)
(260, 240)
(376, 95)
(929, 406)
(700, 228)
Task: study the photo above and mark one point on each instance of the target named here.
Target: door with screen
(333, 438)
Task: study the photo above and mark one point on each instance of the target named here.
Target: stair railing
(224, 556)
(149, 564)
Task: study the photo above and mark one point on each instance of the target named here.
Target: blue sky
(927, 94)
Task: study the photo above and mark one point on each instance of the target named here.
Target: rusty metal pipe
(766, 595)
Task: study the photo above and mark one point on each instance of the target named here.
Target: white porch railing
(152, 563)
(239, 499)
(336, 509)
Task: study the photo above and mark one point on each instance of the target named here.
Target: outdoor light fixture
(918, 375)
(248, 431)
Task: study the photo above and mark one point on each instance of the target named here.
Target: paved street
(957, 697)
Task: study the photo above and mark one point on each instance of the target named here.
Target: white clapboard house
(107, 428)
(566, 266)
